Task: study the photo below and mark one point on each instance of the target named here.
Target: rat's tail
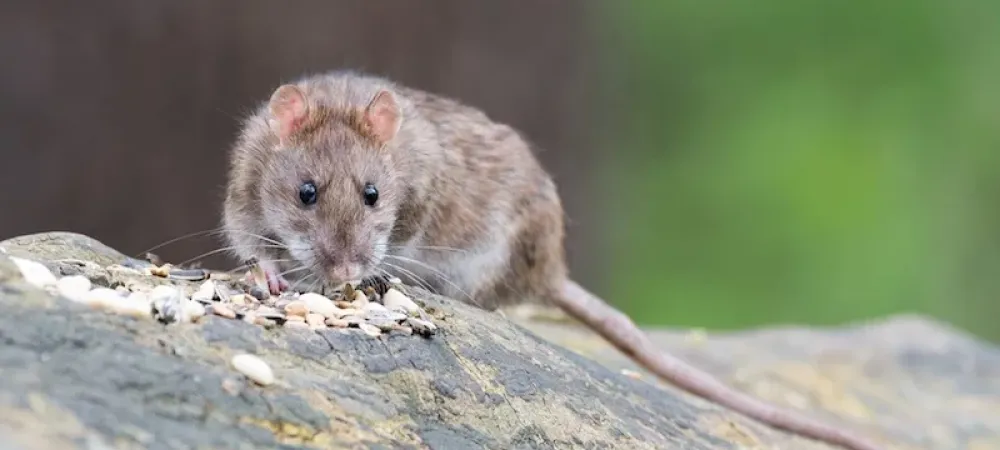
(619, 330)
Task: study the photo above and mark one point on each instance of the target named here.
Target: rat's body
(356, 176)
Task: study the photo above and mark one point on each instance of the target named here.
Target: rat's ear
(289, 108)
(382, 117)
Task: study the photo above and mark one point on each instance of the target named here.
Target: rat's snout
(346, 272)
(340, 263)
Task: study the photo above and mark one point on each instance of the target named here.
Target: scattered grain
(337, 323)
(420, 326)
(35, 272)
(74, 287)
(102, 297)
(345, 312)
(398, 301)
(220, 276)
(360, 299)
(260, 293)
(254, 368)
(296, 308)
(318, 304)
(223, 310)
(187, 274)
(160, 271)
(239, 299)
(193, 311)
(370, 329)
(264, 322)
(205, 293)
(315, 320)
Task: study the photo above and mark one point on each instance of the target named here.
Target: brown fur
(447, 161)
(452, 178)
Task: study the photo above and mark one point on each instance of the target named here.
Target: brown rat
(344, 176)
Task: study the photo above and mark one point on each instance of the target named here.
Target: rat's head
(329, 191)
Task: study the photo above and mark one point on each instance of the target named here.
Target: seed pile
(372, 307)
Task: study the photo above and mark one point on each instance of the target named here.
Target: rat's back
(483, 221)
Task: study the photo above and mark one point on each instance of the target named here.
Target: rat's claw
(275, 282)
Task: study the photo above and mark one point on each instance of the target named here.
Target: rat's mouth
(342, 273)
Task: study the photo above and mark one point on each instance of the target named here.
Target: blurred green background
(811, 162)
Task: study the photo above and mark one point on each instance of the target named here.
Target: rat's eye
(371, 194)
(307, 193)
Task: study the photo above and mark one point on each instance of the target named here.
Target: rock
(34, 272)
(318, 304)
(254, 368)
(53, 246)
(482, 381)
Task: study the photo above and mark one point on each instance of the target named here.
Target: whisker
(297, 269)
(303, 280)
(263, 238)
(221, 250)
(312, 287)
(442, 275)
(422, 282)
(424, 247)
(247, 266)
(186, 236)
(219, 231)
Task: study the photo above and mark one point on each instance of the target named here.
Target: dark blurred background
(723, 165)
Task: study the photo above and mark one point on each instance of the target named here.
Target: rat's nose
(345, 272)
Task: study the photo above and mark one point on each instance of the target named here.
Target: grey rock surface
(77, 377)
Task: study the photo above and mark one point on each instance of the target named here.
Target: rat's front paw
(276, 283)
